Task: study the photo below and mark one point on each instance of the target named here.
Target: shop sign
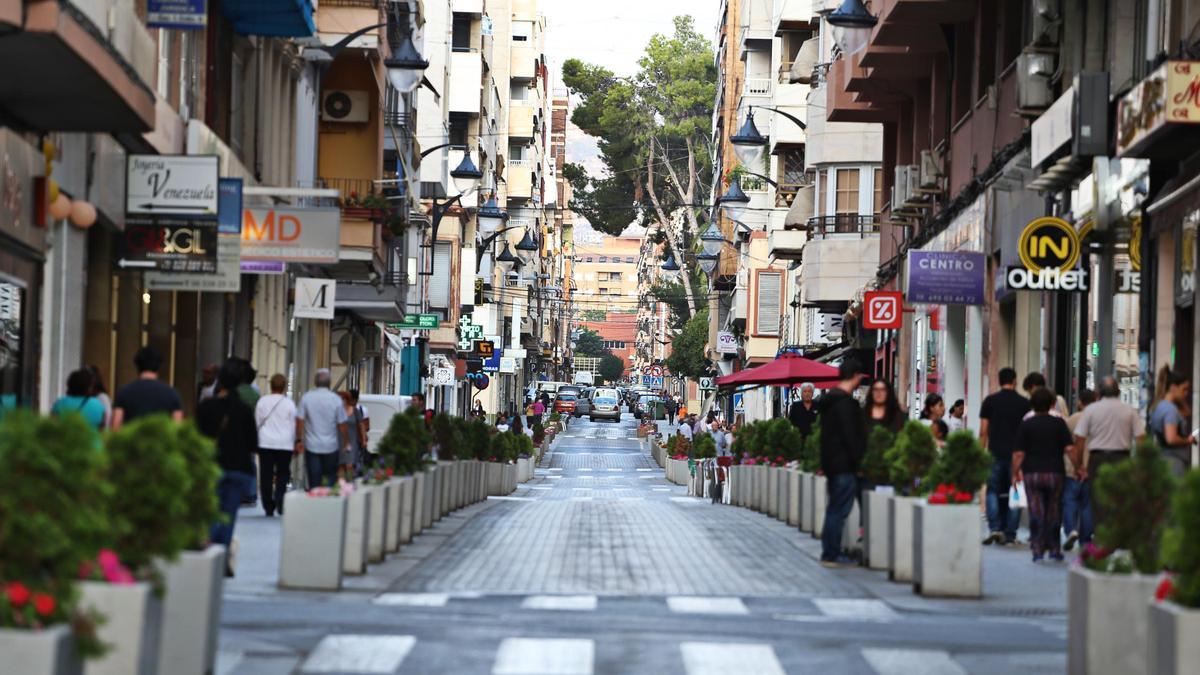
(1185, 260)
(417, 322)
(706, 384)
(726, 343)
(1052, 129)
(485, 348)
(508, 364)
(468, 333)
(443, 376)
(314, 298)
(946, 277)
(262, 266)
(171, 184)
(229, 205)
(1129, 281)
(170, 244)
(883, 310)
(1049, 249)
(1021, 279)
(291, 234)
(179, 14)
(1168, 96)
(227, 279)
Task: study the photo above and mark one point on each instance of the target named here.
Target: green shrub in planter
(810, 456)
(506, 446)
(875, 467)
(963, 463)
(152, 484)
(477, 440)
(671, 443)
(779, 438)
(911, 457)
(199, 456)
(405, 445)
(1135, 497)
(745, 442)
(1181, 544)
(705, 447)
(524, 445)
(54, 516)
(447, 434)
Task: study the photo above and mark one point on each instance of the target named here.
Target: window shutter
(439, 283)
(767, 316)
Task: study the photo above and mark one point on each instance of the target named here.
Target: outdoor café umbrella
(787, 370)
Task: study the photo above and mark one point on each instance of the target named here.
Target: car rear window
(566, 397)
(605, 401)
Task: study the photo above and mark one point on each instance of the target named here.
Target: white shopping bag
(1016, 496)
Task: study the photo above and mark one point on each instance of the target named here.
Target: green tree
(594, 315)
(687, 357)
(963, 463)
(1182, 543)
(589, 343)
(671, 293)
(1134, 497)
(875, 468)
(612, 368)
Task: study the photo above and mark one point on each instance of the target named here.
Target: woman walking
(350, 421)
(1169, 420)
(1037, 459)
(79, 399)
(935, 409)
(958, 416)
(882, 408)
(100, 392)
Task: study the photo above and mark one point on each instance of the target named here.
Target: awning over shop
(787, 370)
(271, 18)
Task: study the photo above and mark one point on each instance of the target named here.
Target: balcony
(841, 254)
(793, 12)
(520, 119)
(786, 244)
(842, 226)
(518, 174)
(839, 142)
(65, 42)
(466, 82)
(758, 24)
(523, 62)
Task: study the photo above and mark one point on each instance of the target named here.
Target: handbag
(1017, 499)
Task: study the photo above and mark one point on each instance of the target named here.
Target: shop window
(877, 201)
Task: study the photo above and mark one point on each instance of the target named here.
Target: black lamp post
(852, 14)
(466, 177)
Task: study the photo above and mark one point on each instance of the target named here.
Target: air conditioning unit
(930, 172)
(1044, 22)
(1034, 92)
(905, 184)
(345, 106)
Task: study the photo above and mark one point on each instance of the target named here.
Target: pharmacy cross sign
(468, 333)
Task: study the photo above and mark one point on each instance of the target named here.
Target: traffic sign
(706, 383)
(652, 381)
(656, 371)
(883, 310)
(171, 185)
(443, 376)
(479, 380)
(418, 322)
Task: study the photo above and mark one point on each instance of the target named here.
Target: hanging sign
(726, 343)
(169, 244)
(443, 376)
(945, 277)
(314, 298)
(1049, 249)
(171, 185)
(179, 14)
(468, 333)
(290, 234)
(227, 279)
(229, 206)
(883, 310)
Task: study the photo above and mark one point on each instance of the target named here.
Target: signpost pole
(1104, 282)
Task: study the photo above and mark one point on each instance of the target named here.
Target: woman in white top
(100, 393)
(958, 416)
(275, 416)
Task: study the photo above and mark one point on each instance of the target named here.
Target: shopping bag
(1016, 496)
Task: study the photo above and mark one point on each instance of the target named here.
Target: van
(380, 409)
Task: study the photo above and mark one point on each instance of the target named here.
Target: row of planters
(104, 558)
(406, 492)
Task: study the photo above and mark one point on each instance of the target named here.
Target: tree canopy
(589, 343)
(687, 357)
(612, 368)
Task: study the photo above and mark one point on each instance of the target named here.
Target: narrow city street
(599, 565)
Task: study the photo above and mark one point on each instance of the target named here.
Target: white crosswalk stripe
(544, 656)
(907, 661)
(359, 654)
(855, 608)
(574, 603)
(413, 599)
(708, 658)
(692, 604)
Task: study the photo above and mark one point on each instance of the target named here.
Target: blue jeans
(1077, 509)
(231, 488)
(842, 489)
(1000, 518)
(322, 468)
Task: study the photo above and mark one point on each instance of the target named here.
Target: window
(589, 259)
(630, 259)
(521, 31)
(518, 92)
(439, 284)
(603, 291)
(603, 258)
(878, 202)
(847, 191)
(614, 276)
(767, 312)
(458, 130)
(462, 33)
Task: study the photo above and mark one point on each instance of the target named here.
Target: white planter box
(428, 507)
(947, 553)
(807, 510)
(418, 518)
(358, 518)
(408, 489)
(191, 610)
(376, 521)
(781, 482)
(440, 491)
(876, 533)
(772, 491)
(40, 652)
(900, 537)
(510, 478)
(1174, 640)
(132, 621)
(1108, 622)
(820, 496)
(313, 542)
(460, 485)
(760, 492)
(391, 535)
(793, 497)
(495, 479)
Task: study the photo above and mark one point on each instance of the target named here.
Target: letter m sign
(314, 298)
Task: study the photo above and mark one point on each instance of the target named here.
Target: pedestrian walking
(477, 412)
(1034, 381)
(226, 419)
(1037, 461)
(317, 431)
(882, 408)
(685, 433)
(672, 407)
(957, 419)
(1077, 503)
(803, 413)
(1169, 423)
(352, 423)
(843, 444)
(999, 418)
(275, 419)
(417, 403)
(80, 401)
(208, 382)
(146, 395)
(539, 409)
(1105, 433)
(935, 409)
(101, 393)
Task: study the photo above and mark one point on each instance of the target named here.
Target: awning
(271, 18)
(787, 370)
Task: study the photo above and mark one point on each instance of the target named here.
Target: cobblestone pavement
(599, 565)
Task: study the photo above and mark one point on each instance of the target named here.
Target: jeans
(231, 488)
(842, 489)
(1077, 509)
(274, 472)
(1000, 518)
(322, 468)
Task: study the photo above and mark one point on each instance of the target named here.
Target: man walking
(317, 431)
(803, 413)
(275, 415)
(1106, 432)
(999, 417)
(146, 395)
(843, 444)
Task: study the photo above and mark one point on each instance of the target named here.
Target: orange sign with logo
(1170, 95)
(291, 234)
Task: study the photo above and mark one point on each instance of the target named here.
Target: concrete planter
(132, 625)
(1108, 623)
(772, 508)
(418, 515)
(430, 498)
(495, 479)
(900, 537)
(1173, 645)
(50, 651)
(781, 481)
(376, 521)
(358, 520)
(820, 497)
(313, 542)
(876, 533)
(738, 475)
(807, 512)
(392, 498)
(441, 504)
(947, 555)
(793, 497)
(191, 610)
(759, 493)
(408, 489)
(510, 478)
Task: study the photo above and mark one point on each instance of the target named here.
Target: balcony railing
(843, 225)
(759, 86)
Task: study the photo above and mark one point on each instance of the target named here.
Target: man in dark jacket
(843, 444)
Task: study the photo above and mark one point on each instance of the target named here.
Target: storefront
(22, 249)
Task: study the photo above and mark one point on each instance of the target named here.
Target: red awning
(787, 370)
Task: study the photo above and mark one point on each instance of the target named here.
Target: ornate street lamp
(506, 260)
(526, 247)
(708, 262)
(490, 217)
(734, 201)
(466, 175)
(669, 265)
(712, 240)
(748, 144)
(405, 67)
(852, 14)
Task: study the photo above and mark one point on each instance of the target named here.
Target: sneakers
(1057, 557)
(1071, 539)
(994, 538)
(1038, 557)
(837, 563)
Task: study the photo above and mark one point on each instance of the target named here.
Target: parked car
(565, 402)
(583, 406)
(605, 404)
(645, 405)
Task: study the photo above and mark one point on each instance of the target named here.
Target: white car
(606, 404)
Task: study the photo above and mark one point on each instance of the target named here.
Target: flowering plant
(1100, 559)
(749, 461)
(1165, 589)
(949, 494)
(106, 567)
(341, 488)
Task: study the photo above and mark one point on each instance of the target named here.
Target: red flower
(963, 497)
(43, 604)
(937, 498)
(942, 489)
(1166, 588)
(389, 472)
(18, 594)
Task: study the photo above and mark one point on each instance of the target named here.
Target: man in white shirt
(275, 415)
(317, 432)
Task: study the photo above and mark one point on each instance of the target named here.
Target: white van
(380, 409)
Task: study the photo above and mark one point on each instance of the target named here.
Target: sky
(612, 34)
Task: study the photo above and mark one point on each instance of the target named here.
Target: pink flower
(108, 559)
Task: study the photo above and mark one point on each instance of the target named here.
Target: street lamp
(712, 240)
(490, 217)
(526, 247)
(669, 265)
(734, 201)
(708, 262)
(748, 143)
(852, 14)
(466, 175)
(405, 67)
(506, 260)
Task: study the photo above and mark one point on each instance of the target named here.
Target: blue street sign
(652, 381)
(229, 205)
(183, 14)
